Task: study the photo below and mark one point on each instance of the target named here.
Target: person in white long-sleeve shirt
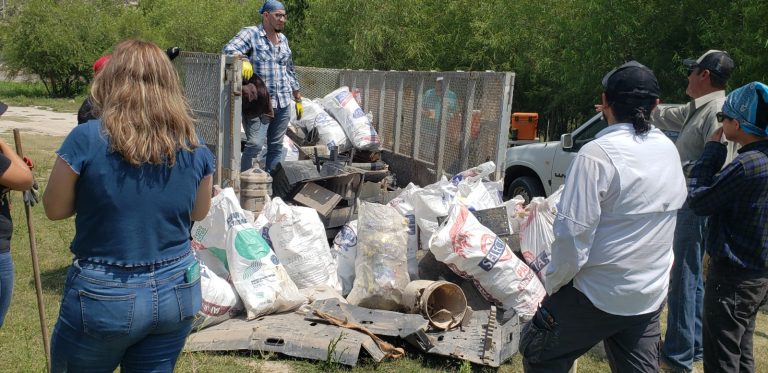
(609, 273)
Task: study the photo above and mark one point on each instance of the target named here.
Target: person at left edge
(14, 175)
(267, 49)
(135, 179)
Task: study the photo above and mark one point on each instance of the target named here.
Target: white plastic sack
(298, 238)
(220, 301)
(537, 234)
(516, 213)
(475, 195)
(345, 250)
(403, 203)
(474, 252)
(290, 150)
(215, 258)
(496, 190)
(329, 131)
(259, 278)
(262, 226)
(355, 123)
(478, 172)
(381, 270)
(429, 203)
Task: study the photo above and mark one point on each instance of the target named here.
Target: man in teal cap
(736, 201)
(267, 50)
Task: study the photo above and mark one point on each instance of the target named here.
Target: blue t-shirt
(128, 215)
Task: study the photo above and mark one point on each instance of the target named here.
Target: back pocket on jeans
(107, 317)
(190, 298)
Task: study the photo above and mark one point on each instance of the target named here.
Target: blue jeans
(134, 317)
(6, 284)
(682, 342)
(272, 132)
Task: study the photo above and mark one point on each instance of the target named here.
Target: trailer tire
(526, 186)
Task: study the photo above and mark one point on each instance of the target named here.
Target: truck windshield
(589, 132)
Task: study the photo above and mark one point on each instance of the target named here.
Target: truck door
(563, 157)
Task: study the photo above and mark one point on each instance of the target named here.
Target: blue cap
(271, 6)
(749, 105)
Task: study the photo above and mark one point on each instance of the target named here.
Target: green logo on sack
(250, 245)
(221, 254)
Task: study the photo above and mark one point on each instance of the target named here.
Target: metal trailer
(472, 128)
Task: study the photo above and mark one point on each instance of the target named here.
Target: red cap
(100, 63)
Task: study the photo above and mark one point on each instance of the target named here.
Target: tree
(59, 40)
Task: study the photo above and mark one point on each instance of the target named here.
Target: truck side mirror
(566, 140)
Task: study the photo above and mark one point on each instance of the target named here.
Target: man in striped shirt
(267, 49)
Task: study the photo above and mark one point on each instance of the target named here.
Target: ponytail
(636, 112)
(641, 121)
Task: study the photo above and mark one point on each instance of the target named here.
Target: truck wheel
(525, 186)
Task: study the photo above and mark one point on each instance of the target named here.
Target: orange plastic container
(526, 125)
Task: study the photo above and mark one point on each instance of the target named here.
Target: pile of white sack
(265, 264)
(339, 120)
(468, 248)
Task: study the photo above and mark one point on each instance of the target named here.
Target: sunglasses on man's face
(691, 70)
(721, 116)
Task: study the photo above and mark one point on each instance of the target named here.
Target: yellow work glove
(247, 70)
(299, 110)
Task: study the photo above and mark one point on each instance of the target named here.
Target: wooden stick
(35, 264)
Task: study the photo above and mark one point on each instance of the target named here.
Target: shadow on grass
(53, 280)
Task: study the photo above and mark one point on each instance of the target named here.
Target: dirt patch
(271, 366)
(30, 119)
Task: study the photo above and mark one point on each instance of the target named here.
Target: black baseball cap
(717, 62)
(630, 81)
(3, 108)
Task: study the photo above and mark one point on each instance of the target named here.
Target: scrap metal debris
(389, 350)
(289, 334)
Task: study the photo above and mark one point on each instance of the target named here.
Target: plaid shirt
(736, 199)
(273, 63)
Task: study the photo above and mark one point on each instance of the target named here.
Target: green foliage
(35, 94)
(740, 28)
(195, 25)
(331, 361)
(58, 40)
(559, 49)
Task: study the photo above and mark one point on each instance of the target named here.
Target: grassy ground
(34, 94)
(20, 338)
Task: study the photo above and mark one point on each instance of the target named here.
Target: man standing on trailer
(270, 58)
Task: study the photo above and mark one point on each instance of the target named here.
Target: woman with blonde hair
(135, 180)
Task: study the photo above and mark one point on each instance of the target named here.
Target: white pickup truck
(539, 169)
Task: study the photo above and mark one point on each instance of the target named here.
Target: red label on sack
(459, 237)
(212, 309)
